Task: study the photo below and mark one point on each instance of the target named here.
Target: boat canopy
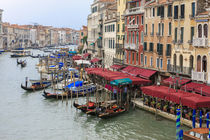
(120, 82)
(77, 84)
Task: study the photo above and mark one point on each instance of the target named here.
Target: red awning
(95, 60)
(136, 72)
(171, 81)
(76, 57)
(192, 86)
(196, 101)
(86, 55)
(147, 73)
(117, 67)
(128, 69)
(176, 96)
(204, 90)
(156, 91)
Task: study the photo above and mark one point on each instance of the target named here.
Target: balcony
(180, 70)
(131, 46)
(133, 11)
(118, 61)
(132, 26)
(200, 76)
(119, 47)
(200, 42)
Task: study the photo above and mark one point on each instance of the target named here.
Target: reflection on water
(26, 115)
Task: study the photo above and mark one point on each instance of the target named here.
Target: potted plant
(165, 108)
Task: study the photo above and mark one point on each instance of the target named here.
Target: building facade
(158, 35)
(134, 32)
(109, 35)
(1, 32)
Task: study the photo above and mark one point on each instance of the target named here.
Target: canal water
(25, 115)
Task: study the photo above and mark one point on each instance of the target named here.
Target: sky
(57, 13)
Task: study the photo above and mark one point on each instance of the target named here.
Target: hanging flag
(193, 118)
(178, 123)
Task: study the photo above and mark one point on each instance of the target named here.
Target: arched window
(205, 28)
(199, 63)
(204, 64)
(181, 62)
(174, 60)
(199, 30)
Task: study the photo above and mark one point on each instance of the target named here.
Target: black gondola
(109, 113)
(48, 95)
(19, 62)
(35, 87)
(23, 64)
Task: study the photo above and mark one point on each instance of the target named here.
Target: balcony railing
(118, 61)
(180, 70)
(136, 10)
(199, 76)
(200, 42)
(133, 26)
(131, 46)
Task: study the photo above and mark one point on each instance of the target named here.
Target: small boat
(20, 53)
(111, 112)
(19, 62)
(48, 95)
(85, 108)
(196, 134)
(23, 64)
(83, 89)
(36, 87)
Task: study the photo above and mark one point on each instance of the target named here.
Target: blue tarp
(52, 57)
(53, 66)
(77, 84)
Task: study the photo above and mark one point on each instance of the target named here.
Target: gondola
(48, 95)
(23, 64)
(85, 108)
(35, 87)
(109, 113)
(19, 62)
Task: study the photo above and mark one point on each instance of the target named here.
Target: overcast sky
(58, 13)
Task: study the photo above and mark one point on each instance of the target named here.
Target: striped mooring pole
(178, 123)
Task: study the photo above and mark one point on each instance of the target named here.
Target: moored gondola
(109, 113)
(23, 64)
(48, 95)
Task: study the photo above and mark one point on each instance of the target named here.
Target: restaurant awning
(117, 67)
(204, 90)
(95, 60)
(119, 82)
(86, 55)
(196, 101)
(128, 69)
(76, 57)
(192, 86)
(172, 81)
(191, 100)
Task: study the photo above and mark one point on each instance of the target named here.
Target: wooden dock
(138, 103)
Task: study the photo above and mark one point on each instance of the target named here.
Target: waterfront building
(33, 36)
(109, 34)
(83, 36)
(9, 36)
(183, 29)
(201, 43)
(1, 32)
(158, 35)
(62, 37)
(134, 32)
(121, 7)
(95, 27)
(54, 37)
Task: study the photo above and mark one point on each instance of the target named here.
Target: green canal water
(28, 116)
